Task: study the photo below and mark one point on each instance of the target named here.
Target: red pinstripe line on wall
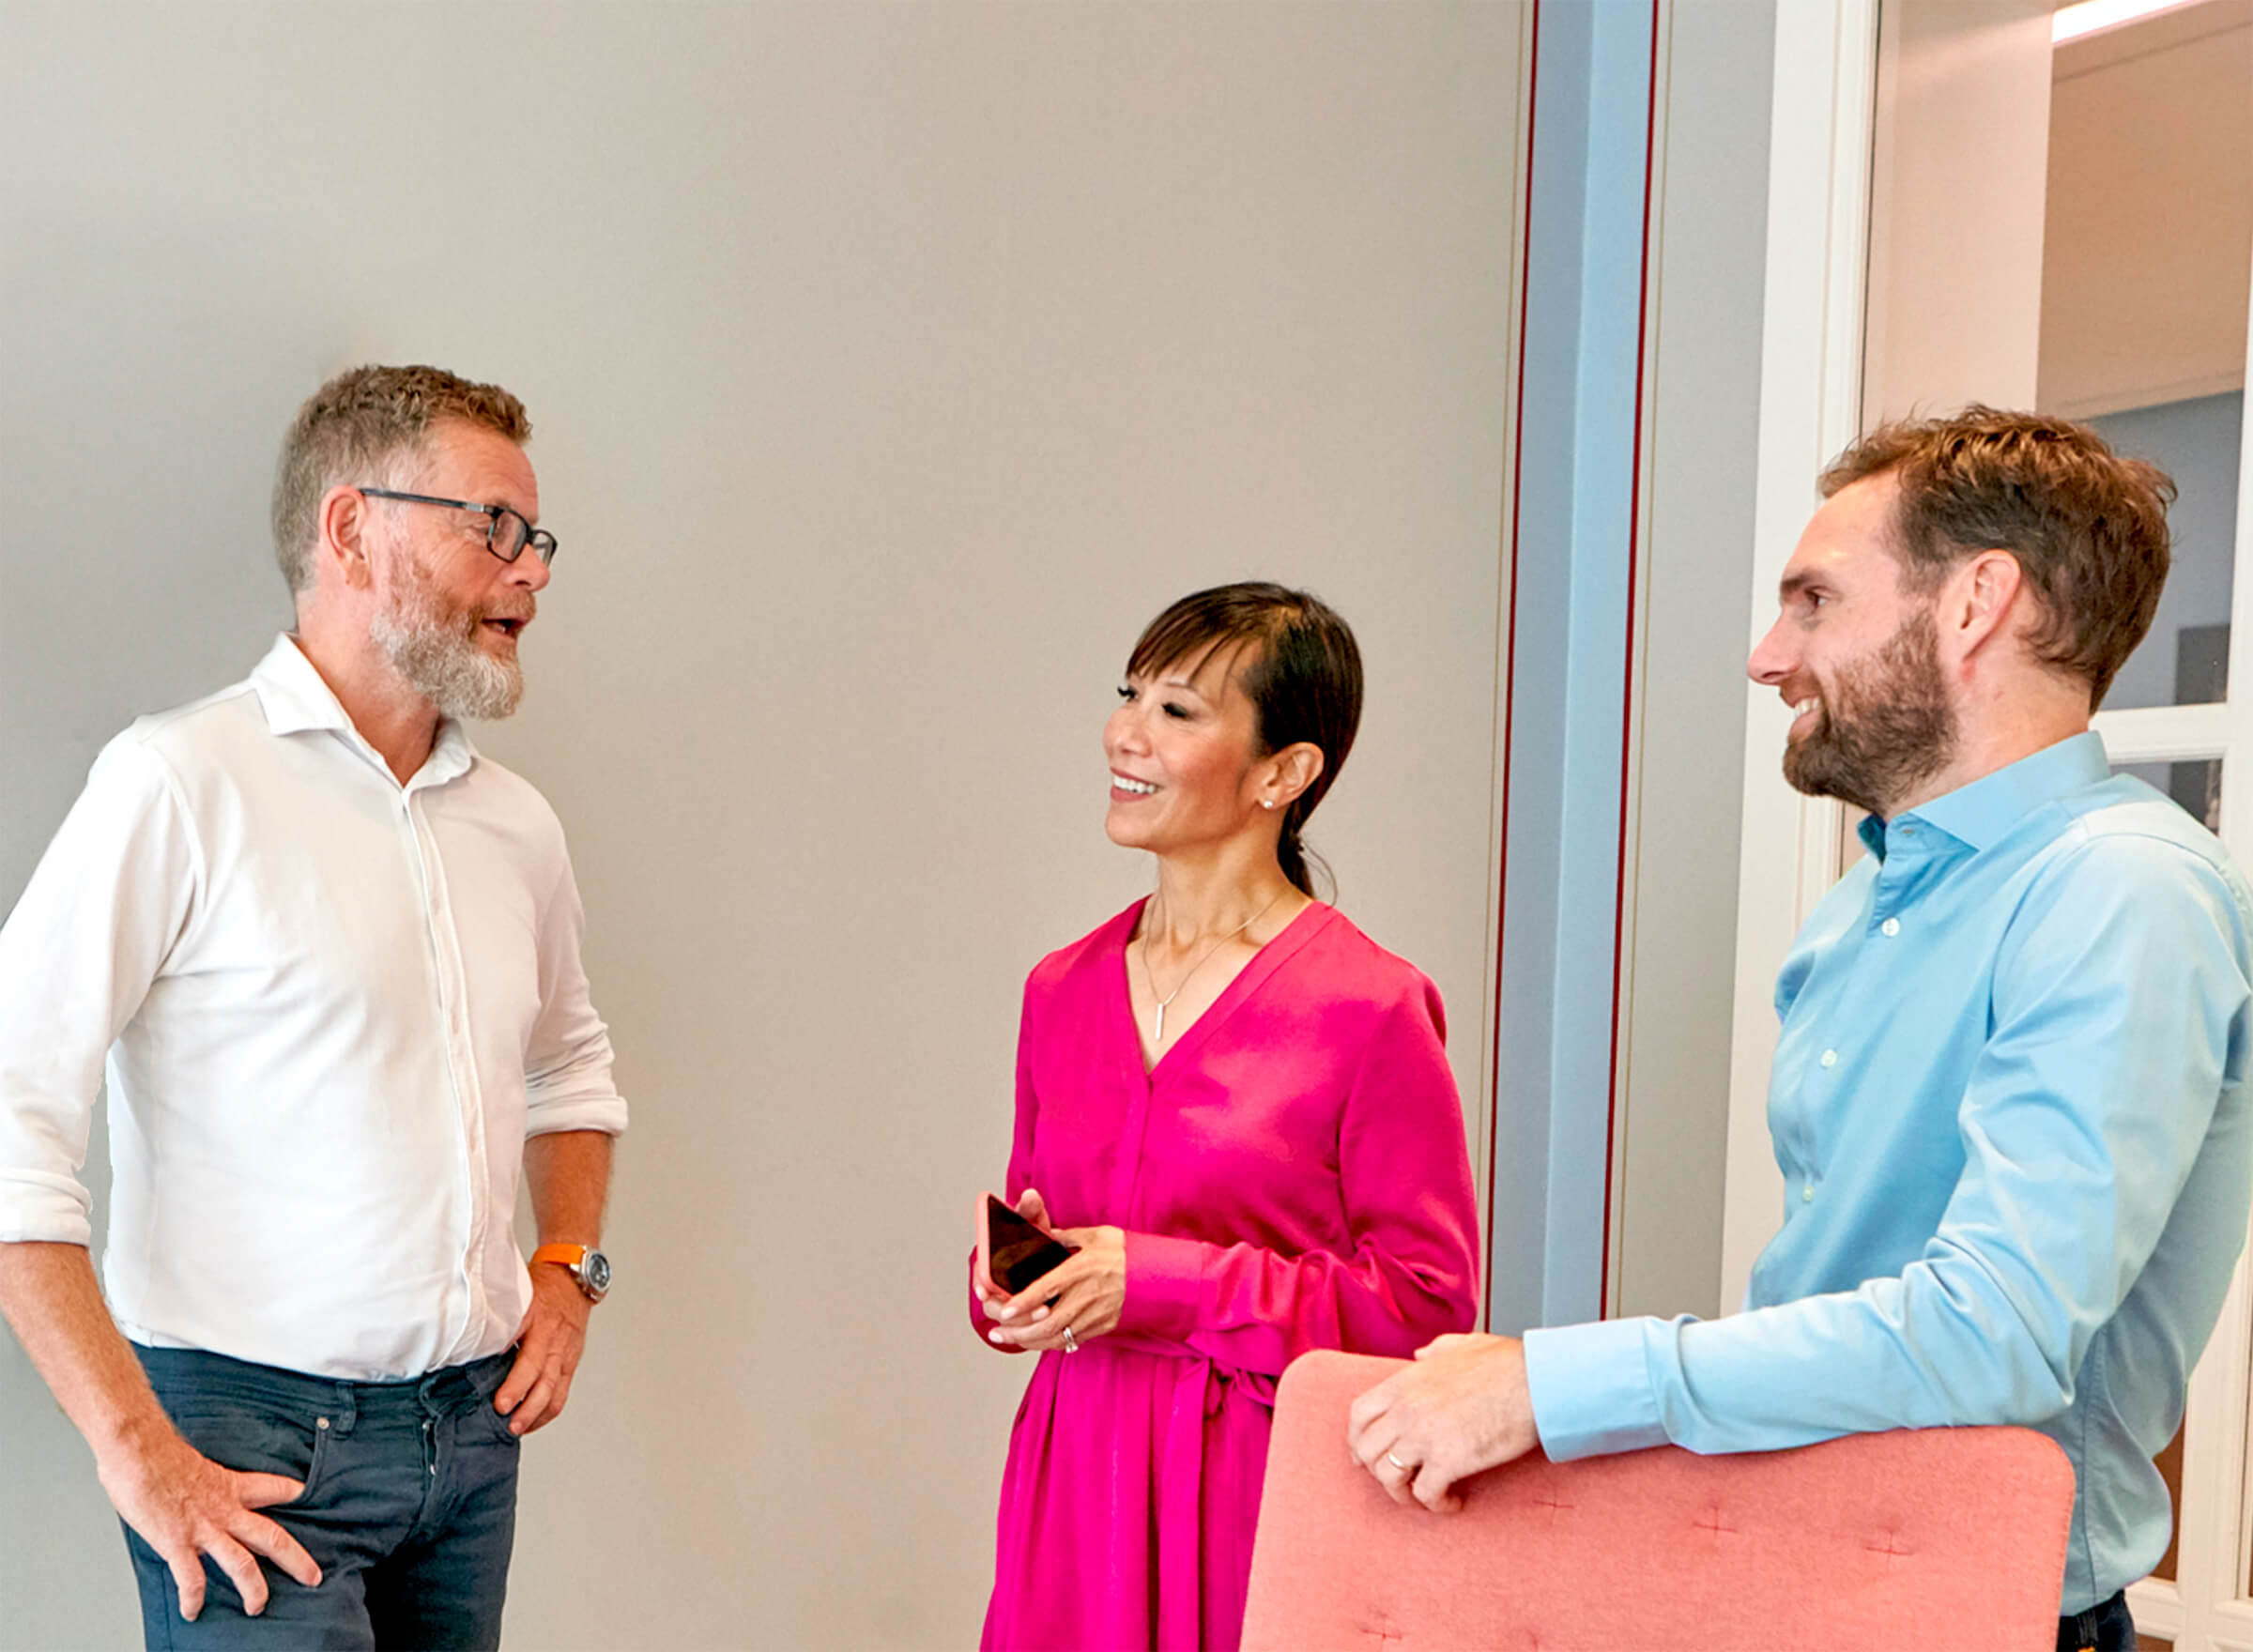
(1627, 718)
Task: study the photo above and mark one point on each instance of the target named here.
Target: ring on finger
(1396, 1462)
(1071, 1343)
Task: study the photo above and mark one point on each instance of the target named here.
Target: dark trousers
(410, 1504)
(2104, 1628)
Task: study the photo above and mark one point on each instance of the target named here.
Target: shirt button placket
(460, 1056)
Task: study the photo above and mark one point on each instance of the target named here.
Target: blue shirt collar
(1979, 814)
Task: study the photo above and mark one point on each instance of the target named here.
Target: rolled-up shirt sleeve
(108, 901)
(568, 1084)
(2119, 1016)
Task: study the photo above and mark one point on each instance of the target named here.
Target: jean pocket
(496, 1424)
(263, 1440)
(494, 1372)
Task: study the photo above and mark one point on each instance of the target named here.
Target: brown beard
(1885, 724)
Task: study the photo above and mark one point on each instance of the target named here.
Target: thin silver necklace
(1158, 1028)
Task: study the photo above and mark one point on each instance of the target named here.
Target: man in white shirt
(330, 956)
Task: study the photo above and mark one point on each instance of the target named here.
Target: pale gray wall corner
(890, 365)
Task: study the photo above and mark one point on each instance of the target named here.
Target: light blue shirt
(2009, 1104)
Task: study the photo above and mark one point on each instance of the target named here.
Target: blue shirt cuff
(1591, 1388)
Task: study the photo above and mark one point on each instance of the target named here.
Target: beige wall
(2149, 215)
(2107, 176)
(1956, 224)
(891, 365)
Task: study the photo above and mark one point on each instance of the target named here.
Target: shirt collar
(295, 700)
(1981, 813)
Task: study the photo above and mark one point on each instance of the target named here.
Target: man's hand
(186, 1507)
(548, 1346)
(1463, 1407)
(183, 1505)
(567, 1175)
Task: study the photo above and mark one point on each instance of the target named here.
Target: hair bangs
(1191, 632)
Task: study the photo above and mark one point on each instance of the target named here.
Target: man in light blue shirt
(2008, 1095)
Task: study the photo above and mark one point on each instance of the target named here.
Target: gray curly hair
(354, 427)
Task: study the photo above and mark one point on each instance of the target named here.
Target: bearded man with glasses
(330, 955)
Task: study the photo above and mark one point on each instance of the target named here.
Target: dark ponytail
(1303, 680)
(1293, 855)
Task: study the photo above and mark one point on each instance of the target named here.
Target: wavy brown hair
(2088, 527)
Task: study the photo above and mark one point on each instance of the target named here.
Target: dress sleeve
(1404, 1183)
(1020, 1159)
(2120, 1015)
(104, 910)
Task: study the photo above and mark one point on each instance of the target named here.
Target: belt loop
(344, 1410)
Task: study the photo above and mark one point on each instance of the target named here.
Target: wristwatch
(588, 1265)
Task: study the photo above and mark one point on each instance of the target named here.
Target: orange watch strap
(569, 1255)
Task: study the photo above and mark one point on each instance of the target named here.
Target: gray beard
(435, 653)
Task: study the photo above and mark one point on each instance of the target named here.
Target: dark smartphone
(1014, 1251)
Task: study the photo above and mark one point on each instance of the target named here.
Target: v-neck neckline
(1262, 964)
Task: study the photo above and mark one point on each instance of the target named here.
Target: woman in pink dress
(1237, 1107)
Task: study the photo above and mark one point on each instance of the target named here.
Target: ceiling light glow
(2091, 17)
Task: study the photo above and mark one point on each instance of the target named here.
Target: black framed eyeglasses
(506, 531)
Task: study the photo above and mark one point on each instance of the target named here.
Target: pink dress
(1291, 1175)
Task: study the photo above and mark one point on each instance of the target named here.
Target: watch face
(596, 1266)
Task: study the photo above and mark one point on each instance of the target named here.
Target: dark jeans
(410, 1504)
(2104, 1628)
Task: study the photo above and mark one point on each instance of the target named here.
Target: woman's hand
(991, 1296)
(1083, 1296)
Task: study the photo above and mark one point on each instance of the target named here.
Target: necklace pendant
(1158, 1024)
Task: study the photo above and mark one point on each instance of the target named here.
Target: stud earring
(1266, 803)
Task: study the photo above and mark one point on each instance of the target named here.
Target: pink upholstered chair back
(1936, 1538)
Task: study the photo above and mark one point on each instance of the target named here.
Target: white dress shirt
(332, 1009)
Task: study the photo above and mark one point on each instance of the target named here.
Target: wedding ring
(1397, 1463)
(1071, 1343)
